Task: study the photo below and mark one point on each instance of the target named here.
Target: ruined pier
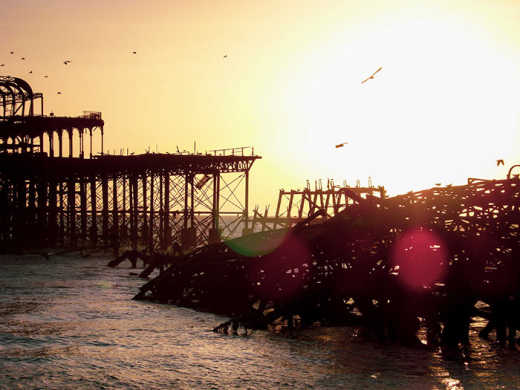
(392, 264)
(59, 189)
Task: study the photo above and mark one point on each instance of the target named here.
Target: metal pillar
(93, 207)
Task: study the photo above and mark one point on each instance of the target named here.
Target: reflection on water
(70, 323)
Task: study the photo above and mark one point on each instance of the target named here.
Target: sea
(69, 322)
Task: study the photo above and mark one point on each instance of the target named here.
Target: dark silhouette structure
(394, 265)
(55, 193)
(296, 205)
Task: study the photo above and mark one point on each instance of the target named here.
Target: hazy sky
(443, 108)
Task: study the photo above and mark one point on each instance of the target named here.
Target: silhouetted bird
(46, 76)
(225, 55)
(23, 58)
(59, 93)
(372, 75)
(500, 162)
(341, 145)
(12, 52)
(134, 52)
(66, 62)
(30, 71)
(2, 64)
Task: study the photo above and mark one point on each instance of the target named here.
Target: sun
(441, 109)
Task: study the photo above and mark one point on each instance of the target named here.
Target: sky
(285, 77)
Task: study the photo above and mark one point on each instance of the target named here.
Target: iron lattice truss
(354, 263)
(150, 200)
(294, 206)
(51, 194)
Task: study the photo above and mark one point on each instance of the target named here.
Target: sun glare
(440, 110)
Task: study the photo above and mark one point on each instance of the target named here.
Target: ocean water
(70, 323)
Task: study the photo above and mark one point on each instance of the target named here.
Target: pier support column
(31, 207)
(71, 149)
(20, 220)
(167, 236)
(71, 220)
(214, 234)
(104, 195)
(52, 215)
(133, 210)
(144, 226)
(50, 134)
(151, 230)
(83, 208)
(93, 207)
(246, 204)
(60, 143)
(124, 230)
(42, 148)
(115, 219)
(62, 211)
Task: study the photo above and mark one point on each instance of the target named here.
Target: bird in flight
(30, 71)
(500, 162)
(66, 62)
(46, 76)
(372, 75)
(2, 64)
(23, 58)
(12, 52)
(225, 55)
(134, 52)
(59, 93)
(341, 145)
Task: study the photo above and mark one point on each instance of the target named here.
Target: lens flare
(421, 257)
(257, 244)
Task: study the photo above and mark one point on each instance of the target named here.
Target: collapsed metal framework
(52, 193)
(357, 265)
(295, 206)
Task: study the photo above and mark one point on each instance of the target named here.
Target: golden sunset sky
(444, 107)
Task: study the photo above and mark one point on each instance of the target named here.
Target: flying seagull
(341, 145)
(372, 75)
(500, 162)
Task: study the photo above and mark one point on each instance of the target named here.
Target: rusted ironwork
(55, 197)
(294, 206)
(394, 264)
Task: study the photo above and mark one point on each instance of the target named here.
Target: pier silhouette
(55, 193)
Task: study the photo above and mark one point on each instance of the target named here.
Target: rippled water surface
(69, 323)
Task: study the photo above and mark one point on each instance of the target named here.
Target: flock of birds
(65, 62)
(134, 52)
(45, 76)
